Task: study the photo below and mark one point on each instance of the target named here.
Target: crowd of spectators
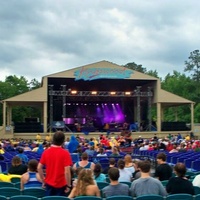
(55, 171)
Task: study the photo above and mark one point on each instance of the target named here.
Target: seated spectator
(163, 171)
(98, 175)
(112, 163)
(179, 184)
(77, 171)
(21, 154)
(137, 173)
(146, 184)
(129, 164)
(32, 177)
(101, 153)
(115, 188)
(84, 162)
(17, 167)
(115, 152)
(90, 151)
(174, 150)
(125, 175)
(85, 185)
(27, 148)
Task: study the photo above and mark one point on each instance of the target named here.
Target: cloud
(38, 38)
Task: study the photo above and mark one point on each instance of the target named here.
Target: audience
(31, 178)
(125, 174)
(115, 188)
(98, 175)
(146, 184)
(84, 162)
(85, 185)
(163, 171)
(17, 167)
(179, 183)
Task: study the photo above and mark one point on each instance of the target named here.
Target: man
(146, 184)
(57, 162)
(163, 171)
(115, 188)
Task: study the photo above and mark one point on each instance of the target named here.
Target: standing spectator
(85, 185)
(125, 174)
(115, 188)
(163, 171)
(98, 175)
(146, 184)
(179, 184)
(31, 178)
(57, 161)
(17, 167)
(21, 154)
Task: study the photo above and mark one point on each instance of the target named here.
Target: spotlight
(77, 104)
(97, 104)
(112, 93)
(73, 92)
(127, 93)
(85, 104)
(94, 92)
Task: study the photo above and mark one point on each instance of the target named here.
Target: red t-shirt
(56, 159)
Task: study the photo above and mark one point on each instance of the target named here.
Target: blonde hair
(85, 178)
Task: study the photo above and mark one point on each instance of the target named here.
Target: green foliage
(13, 86)
(193, 65)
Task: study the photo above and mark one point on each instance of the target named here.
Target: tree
(136, 67)
(193, 65)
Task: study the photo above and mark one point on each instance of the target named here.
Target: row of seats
(121, 197)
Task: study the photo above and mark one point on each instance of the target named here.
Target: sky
(41, 37)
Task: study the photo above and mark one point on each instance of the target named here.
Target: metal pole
(138, 106)
(64, 103)
(149, 107)
(51, 106)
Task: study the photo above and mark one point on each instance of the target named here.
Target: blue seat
(9, 191)
(87, 198)
(23, 197)
(119, 197)
(35, 191)
(55, 198)
(127, 183)
(3, 197)
(197, 197)
(6, 184)
(196, 190)
(101, 185)
(179, 196)
(150, 197)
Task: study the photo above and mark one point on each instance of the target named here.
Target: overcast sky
(41, 37)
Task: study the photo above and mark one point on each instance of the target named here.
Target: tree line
(185, 84)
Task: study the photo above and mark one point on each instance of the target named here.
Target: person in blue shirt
(23, 157)
(98, 175)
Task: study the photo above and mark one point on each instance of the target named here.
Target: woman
(31, 178)
(129, 164)
(17, 167)
(179, 184)
(98, 176)
(85, 185)
(125, 175)
(84, 163)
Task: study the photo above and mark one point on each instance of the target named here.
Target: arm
(40, 171)
(68, 175)
(72, 193)
(97, 192)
